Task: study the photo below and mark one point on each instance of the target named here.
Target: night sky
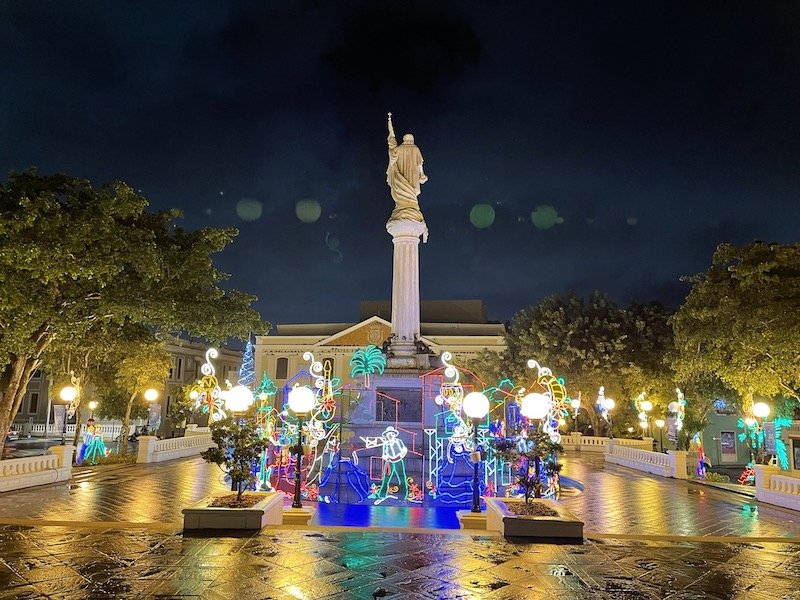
(640, 134)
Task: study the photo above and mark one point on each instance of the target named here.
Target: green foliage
(366, 361)
(239, 448)
(591, 343)
(717, 477)
(739, 322)
(74, 259)
(527, 453)
(181, 408)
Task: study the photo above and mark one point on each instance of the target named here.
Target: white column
(405, 291)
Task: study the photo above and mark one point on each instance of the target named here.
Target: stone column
(64, 454)
(677, 462)
(147, 445)
(405, 292)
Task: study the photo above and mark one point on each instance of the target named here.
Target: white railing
(777, 487)
(110, 430)
(151, 449)
(589, 443)
(672, 464)
(18, 473)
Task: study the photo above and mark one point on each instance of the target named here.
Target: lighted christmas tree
(247, 372)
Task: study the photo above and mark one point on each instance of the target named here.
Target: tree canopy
(739, 322)
(73, 256)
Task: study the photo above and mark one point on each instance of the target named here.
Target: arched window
(282, 368)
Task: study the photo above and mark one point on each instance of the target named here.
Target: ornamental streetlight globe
(92, 405)
(150, 394)
(749, 421)
(535, 406)
(301, 400)
(660, 423)
(575, 403)
(476, 405)
(647, 406)
(609, 404)
(237, 399)
(761, 410)
(68, 393)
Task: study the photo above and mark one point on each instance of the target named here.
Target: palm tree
(366, 361)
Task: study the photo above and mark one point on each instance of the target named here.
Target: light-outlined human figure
(393, 452)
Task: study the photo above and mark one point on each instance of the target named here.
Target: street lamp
(301, 401)
(535, 406)
(69, 394)
(150, 395)
(760, 411)
(609, 405)
(476, 407)
(576, 405)
(92, 406)
(660, 424)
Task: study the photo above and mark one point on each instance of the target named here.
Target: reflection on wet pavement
(78, 563)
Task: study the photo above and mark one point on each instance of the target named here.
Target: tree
(72, 256)
(239, 448)
(145, 364)
(532, 456)
(366, 361)
(739, 323)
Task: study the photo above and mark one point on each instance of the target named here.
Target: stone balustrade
(774, 486)
(18, 473)
(672, 464)
(587, 443)
(151, 449)
(110, 431)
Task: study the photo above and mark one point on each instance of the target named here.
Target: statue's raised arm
(404, 175)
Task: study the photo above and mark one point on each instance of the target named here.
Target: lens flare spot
(545, 217)
(481, 216)
(308, 211)
(249, 209)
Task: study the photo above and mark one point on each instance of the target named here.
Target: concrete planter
(563, 527)
(268, 511)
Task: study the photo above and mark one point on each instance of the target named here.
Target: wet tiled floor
(70, 563)
(121, 539)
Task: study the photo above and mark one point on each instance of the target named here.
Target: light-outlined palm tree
(366, 361)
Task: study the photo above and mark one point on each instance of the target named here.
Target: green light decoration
(481, 216)
(366, 361)
(266, 388)
(780, 445)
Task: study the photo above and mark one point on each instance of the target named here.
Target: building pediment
(374, 330)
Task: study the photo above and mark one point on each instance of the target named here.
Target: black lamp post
(301, 401)
(476, 406)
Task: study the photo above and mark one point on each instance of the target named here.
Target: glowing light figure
(206, 392)
(92, 447)
(678, 408)
(601, 403)
(366, 361)
(393, 452)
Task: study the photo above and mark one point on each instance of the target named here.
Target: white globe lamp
(761, 410)
(238, 399)
(68, 393)
(535, 406)
(647, 406)
(301, 400)
(609, 404)
(476, 405)
(150, 395)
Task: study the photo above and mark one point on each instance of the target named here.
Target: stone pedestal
(405, 293)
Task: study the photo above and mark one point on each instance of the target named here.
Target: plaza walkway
(114, 532)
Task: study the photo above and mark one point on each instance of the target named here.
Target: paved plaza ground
(114, 532)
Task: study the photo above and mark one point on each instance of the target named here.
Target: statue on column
(405, 176)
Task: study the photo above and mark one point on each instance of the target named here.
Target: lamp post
(476, 406)
(609, 405)
(237, 400)
(576, 405)
(535, 406)
(660, 424)
(69, 394)
(760, 411)
(301, 401)
(92, 406)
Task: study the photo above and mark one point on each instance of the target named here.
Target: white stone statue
(405, 176)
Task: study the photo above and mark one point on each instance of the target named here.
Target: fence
(151, 449)
(588, 443)
(18, 473)
(671, 464)
(110, 431)
(775, 487)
